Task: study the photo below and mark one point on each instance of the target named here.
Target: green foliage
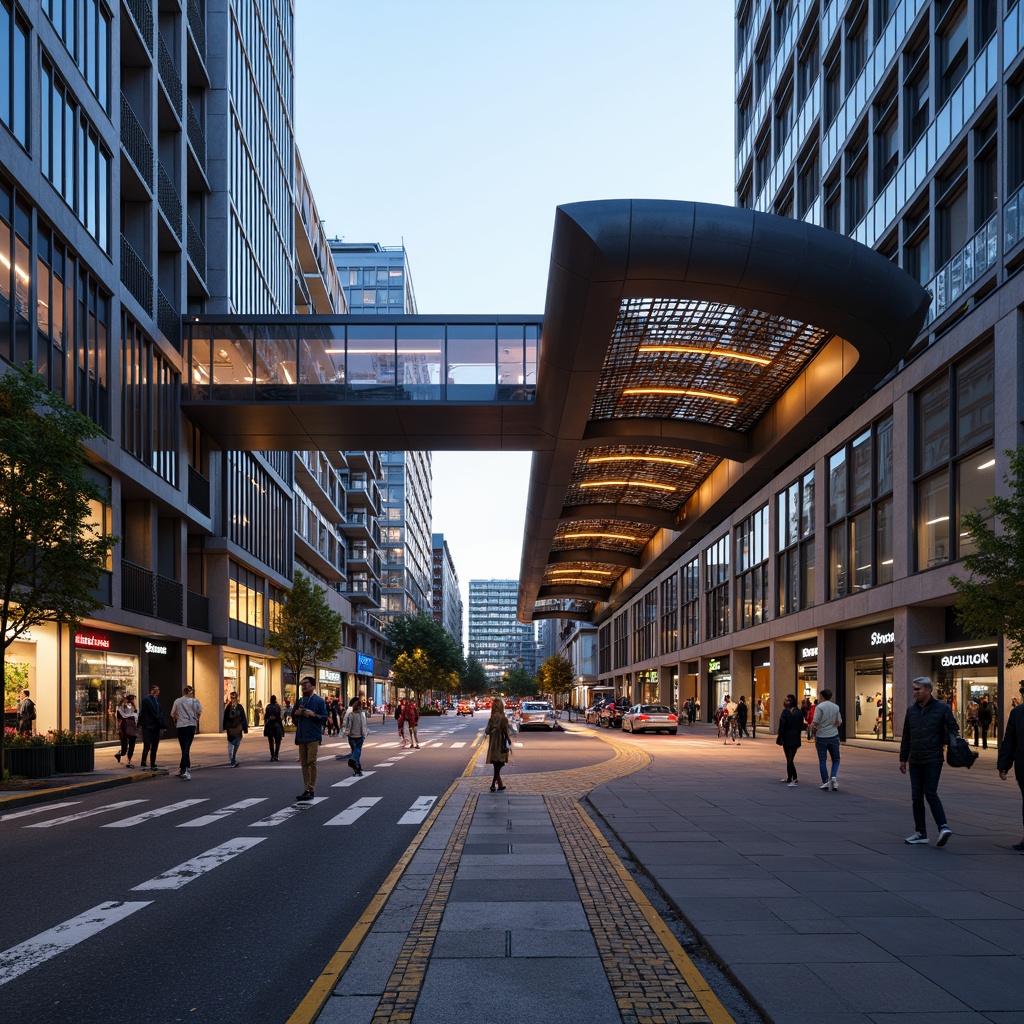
(15, 680)
(64, 737)
(555, 676)
(14, 739)
(474, 679)
(51, 556)
(307, 631)
(421, 633)
(517, 682)
(990, 600)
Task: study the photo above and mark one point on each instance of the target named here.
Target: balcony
(358, 526)
(135, 276)
(142, 14)
(136, 144)
(362, 592)
(148, 593)
(969, 265)
(195, 249)
(169, 201)
(198, 609)
(170, 78)
(168, 320)
(198, 491)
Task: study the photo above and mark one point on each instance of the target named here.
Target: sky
(456, 127)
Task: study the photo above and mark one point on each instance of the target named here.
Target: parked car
(536, 712)
(593, 714)
(650, 718)
(611, 714)
(464, 708)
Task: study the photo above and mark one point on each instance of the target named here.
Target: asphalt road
(219, 899)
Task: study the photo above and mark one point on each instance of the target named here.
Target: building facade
(900, 124)
(446, 598)
(497, 639)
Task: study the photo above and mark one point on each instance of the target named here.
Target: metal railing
(170, 599)
(1013, 219)
(196, 248)
(148, 593)
(198, 611)
(198, 491)
(169, 200)
(977, 257)
(136, 142)
(142, 14)
(167, 319)
(196, 136)
(135, 276)
(169, 74)
(197, 25)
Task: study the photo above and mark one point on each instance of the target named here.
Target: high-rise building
(375, 277)
(497, 639)
(902, 126)
(446, 598)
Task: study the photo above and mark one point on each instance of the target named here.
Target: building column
(914, 627)
(783, 682)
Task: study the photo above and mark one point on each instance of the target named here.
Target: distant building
(497, 639)
(446, 597)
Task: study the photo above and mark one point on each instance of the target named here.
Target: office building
(446, 598)
(497, 639)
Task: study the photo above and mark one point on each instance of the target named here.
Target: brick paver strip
(398, 1003)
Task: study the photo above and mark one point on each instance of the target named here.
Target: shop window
(795, 525)
(752, 544)
(716, 587)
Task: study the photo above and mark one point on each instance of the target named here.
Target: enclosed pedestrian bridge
(686, 354)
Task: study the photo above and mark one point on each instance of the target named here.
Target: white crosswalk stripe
(180, 876)
(84, 814)
(224, 812)
(460, 744)
(351, 780)
(281, 816)
(355, 811)
(38, 810)
(46, 945)
(156, 812)
(419, 810)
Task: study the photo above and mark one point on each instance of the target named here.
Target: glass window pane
(974, 401)
(807, 511)
(837, 486)
(371, 359)
(471, 361)
(780, 519)
(419, 361)
(838, 564)
(860, 482)
(883, 457)
(933, 426)
(976, 482)
(807, 571)
(883, 541)
(860, 551)
(933, 521)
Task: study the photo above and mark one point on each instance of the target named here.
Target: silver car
(536, 712)
(650, 718)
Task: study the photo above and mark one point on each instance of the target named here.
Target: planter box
(74, 758)
(29, 762)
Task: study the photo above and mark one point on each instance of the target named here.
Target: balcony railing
(136, 143)
(168, 320)
(169, 74)
(198, 607)
(1013, 219)
(169, 200)
(196, 136)
(198, 491)
(135, 276)
(197, 25)
(142, 14)
(978, 256)
(196, 248)
(148, 593)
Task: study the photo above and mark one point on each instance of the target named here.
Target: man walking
(1011, 755)
(355, 730)
(825, 729)
(151, 722)
(236, 722)
(926, 727)
(310, 717)
(26, 714)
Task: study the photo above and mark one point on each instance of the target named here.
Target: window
(887, 139)
(807, 67)
(691, 603)
(783, 19)
(808, 180)
(884, 10)
(952, 51)
(860, 512)
(856, 43)
(833, 211)
(670, 614)
(645, 615)
(762, 159)
(84, 26)
(604, 650)
(752, 569)
(955, 457)
(744, 112)
(1015, 131)
(917, 90)
(14, 83)
(783, 118)
(986, 172)
(917, 249)
(856, 158)
(620, 641)
(762, 64)
(833, 93)
(952, 210)
(716, 587)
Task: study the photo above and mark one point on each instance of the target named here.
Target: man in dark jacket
(310, 716)
(925, 728)
(1011, 755)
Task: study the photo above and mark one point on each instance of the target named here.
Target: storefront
(647, 687)
(867, 659)
(107, 666)
(719, 684)
(806, 656)
(761, 673)
(967, 678)
(329, 684)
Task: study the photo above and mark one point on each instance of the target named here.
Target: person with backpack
(236, 723)
(273, 727)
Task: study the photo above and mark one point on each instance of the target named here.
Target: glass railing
(1013, 220)
(978, 256)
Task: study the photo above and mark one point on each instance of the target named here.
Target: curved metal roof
(688, 352)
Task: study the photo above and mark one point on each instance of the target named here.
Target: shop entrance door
(869, 680)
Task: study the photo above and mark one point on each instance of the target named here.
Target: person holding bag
(236, 723)
(186, 711)
(499, 742)
(127, 728)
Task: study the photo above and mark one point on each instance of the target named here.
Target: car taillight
(641, 718)
(672, 718)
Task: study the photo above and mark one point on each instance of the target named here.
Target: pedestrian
(972, 720)
(984, 721)
(26, 714)
(400, 719)
(185, 712)
(127, 716)
(499, 741)
(257, 713)
(825, 730)
(334, 720)
(310, 717)
(1011, 755)
(273, 727)
(789, 737)
(926, 728)
(236, 723)
(152, 723)
(286, 711)
(742, 715)
(355, 730)
(411, 716)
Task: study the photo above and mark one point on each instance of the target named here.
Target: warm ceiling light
(685, 392)
(598, 536)
(629, 483)
(660, 459)
(718, 353)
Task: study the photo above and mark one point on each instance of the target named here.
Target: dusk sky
(457, 127)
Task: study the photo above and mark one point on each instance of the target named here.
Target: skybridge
(686, 353)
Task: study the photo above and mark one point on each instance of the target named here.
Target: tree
(517, 682)
(52, 553)
(474, 679)
(990, 600)
(307, 630)
(555, 676)
(420, 632)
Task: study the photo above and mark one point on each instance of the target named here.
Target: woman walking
(127, 727)
(354, 728)
(236, 722)
(186, 711)
(273, 727)
(499, 741)
(791, 728)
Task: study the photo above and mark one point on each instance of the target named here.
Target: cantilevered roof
(686, 353)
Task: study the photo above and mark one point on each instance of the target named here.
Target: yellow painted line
(313, 1002)
(709, 1002)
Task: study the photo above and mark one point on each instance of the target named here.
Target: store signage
(714, 665)
(96, 641)
(152, 648)
(967, 659)
(330, 675)
(364, 664)
(881, 639)
(808, 652)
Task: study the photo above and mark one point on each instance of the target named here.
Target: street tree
(474, 679)
(409, 633)
(990, 600)
(517, 682)
(53, 548)
(555, 676)
(307, 630)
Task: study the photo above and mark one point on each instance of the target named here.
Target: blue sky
(457, 127)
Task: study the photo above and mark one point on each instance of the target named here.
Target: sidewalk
(513, 904)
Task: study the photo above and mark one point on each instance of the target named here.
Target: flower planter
(72, 758)
(29, 762)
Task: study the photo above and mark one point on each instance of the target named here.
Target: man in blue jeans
(926, 728)
(825, 729)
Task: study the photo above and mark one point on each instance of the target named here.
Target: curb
(40, 796)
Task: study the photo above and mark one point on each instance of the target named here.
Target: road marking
(351, 780)
(224, 812)
(279, 817)
(460, 744)
(23, 957)
(385, 764)
(393, 744)
(85, 814)
(357, 810)
(177, 877)
(419, 810)
(157, 812)
(37, 810)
